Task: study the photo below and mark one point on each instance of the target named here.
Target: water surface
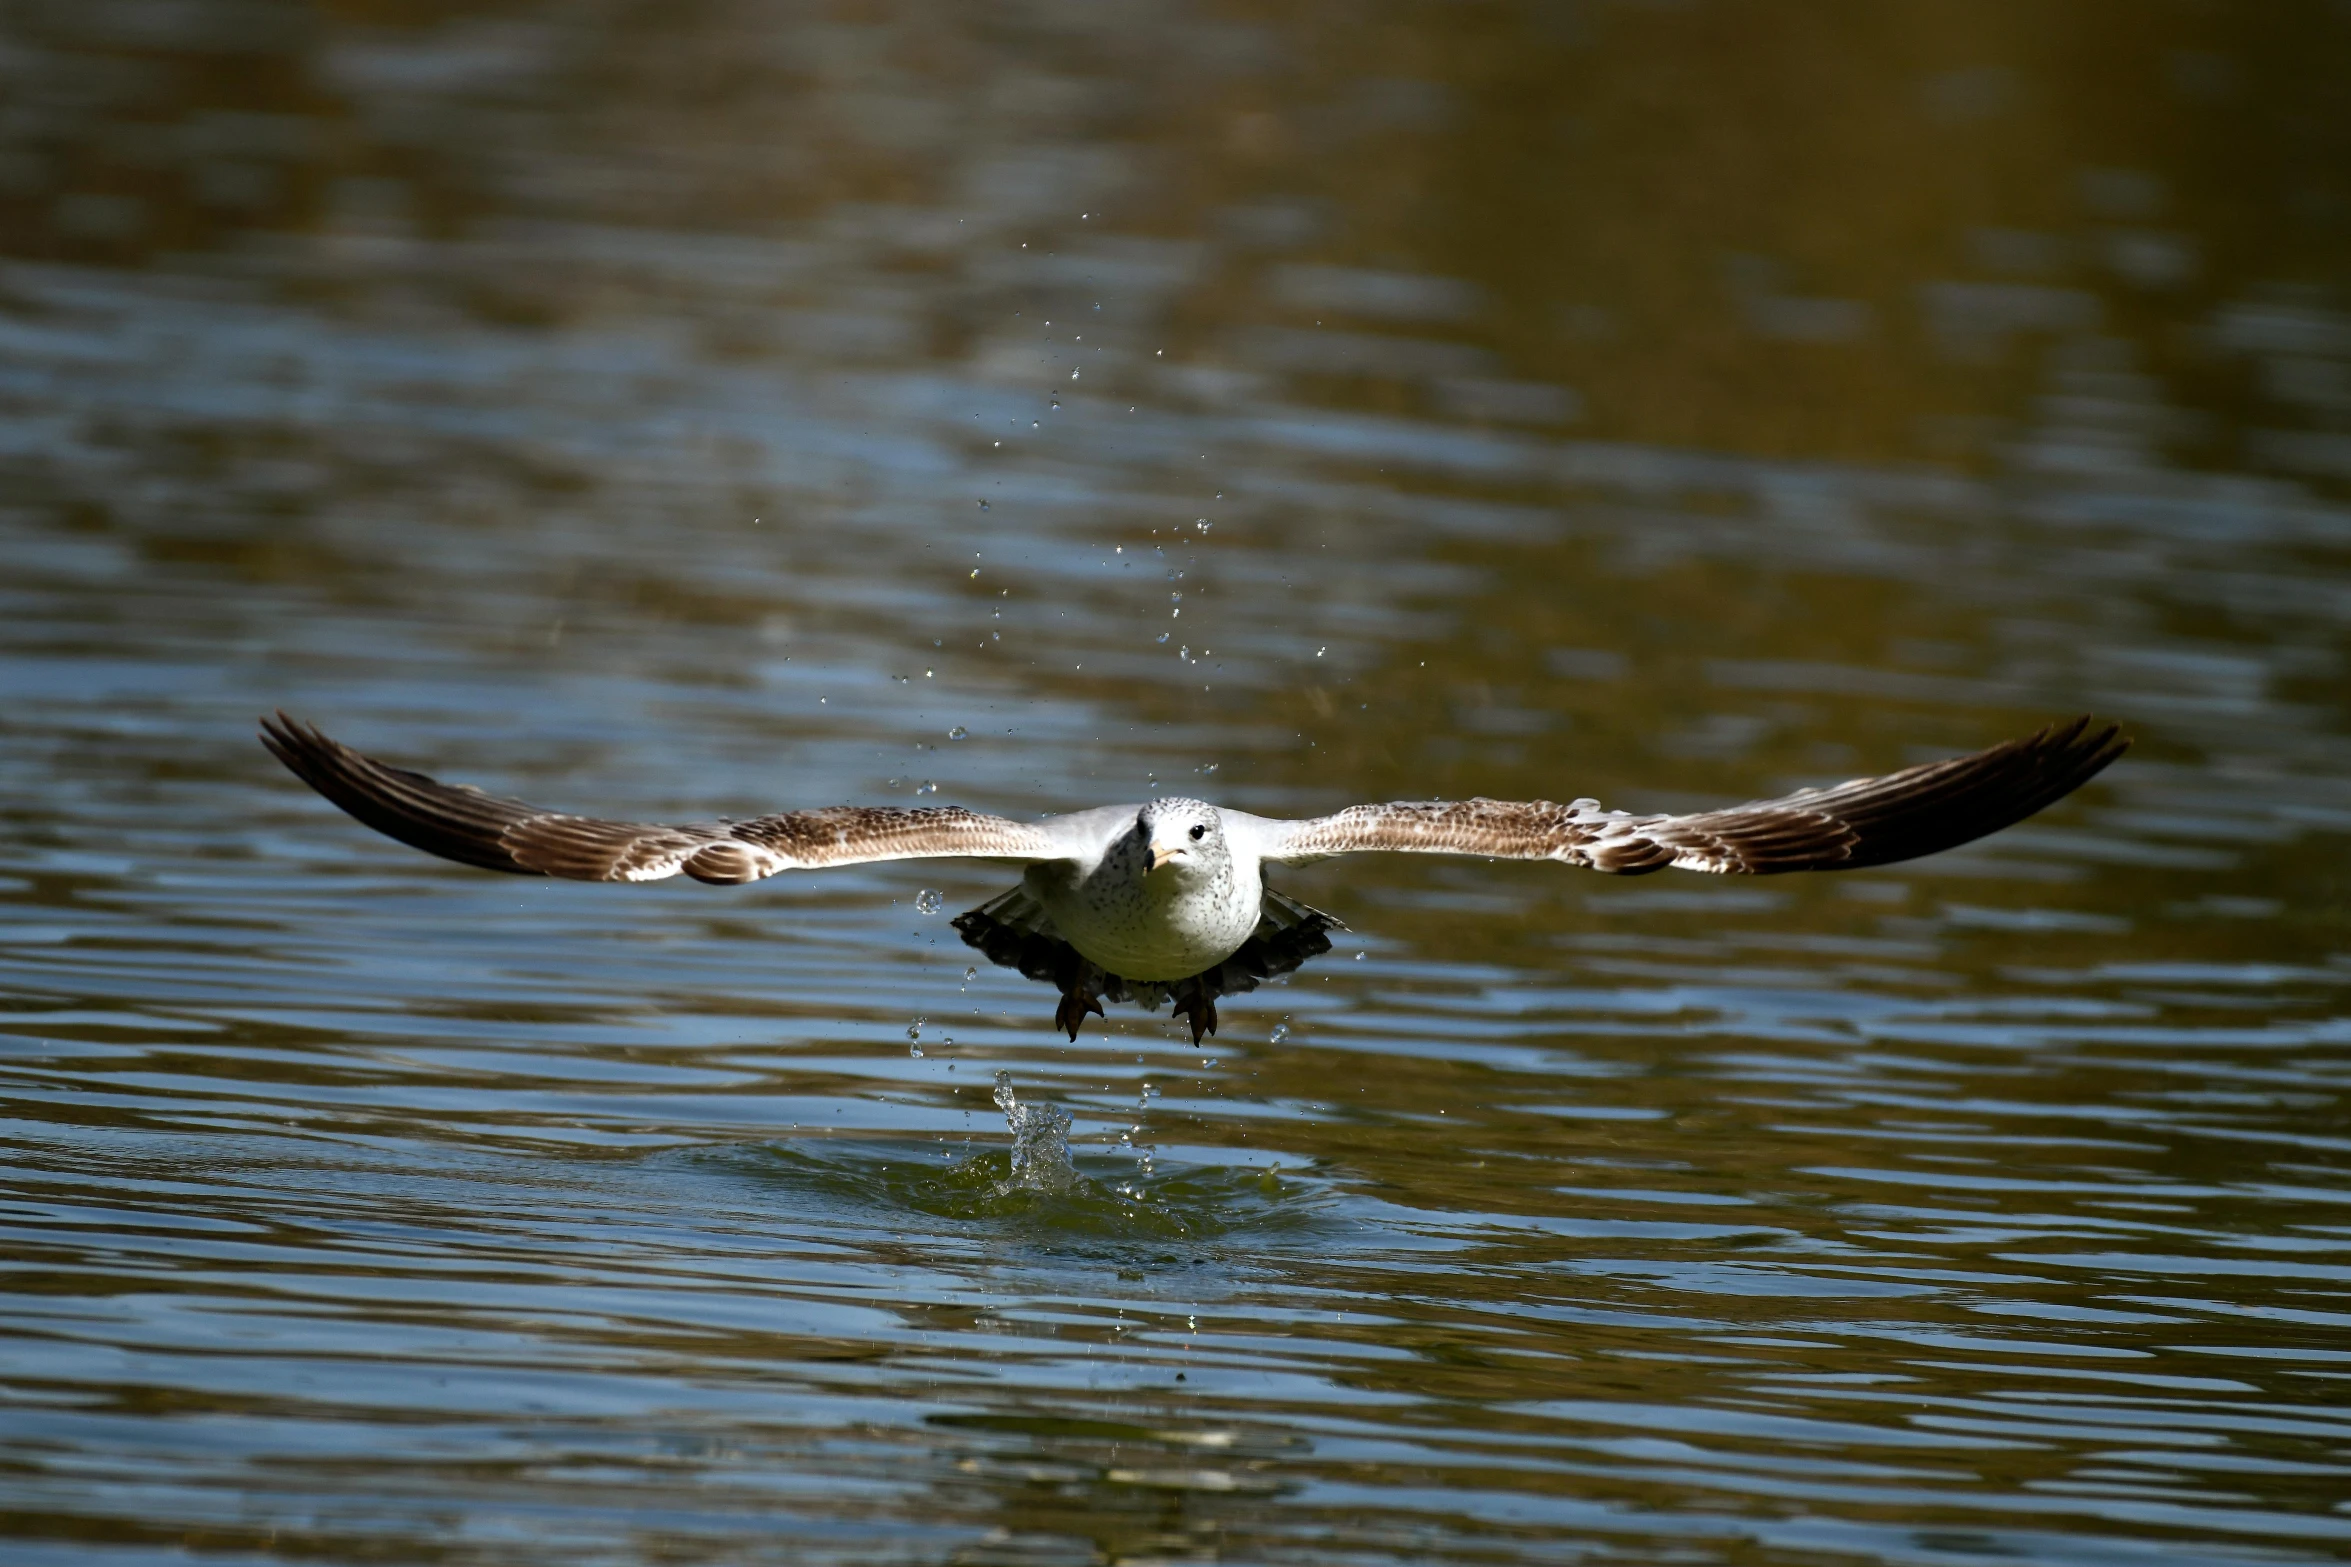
(704, 409)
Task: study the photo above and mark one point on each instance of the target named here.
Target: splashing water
(1040, 1144)
(1146, 1155)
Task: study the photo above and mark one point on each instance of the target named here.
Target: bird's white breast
(1166, 925)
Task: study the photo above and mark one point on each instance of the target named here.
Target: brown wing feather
(462, 823)
(1869, 821)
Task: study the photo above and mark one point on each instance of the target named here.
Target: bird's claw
(1200, 1010)
(1071, 1014)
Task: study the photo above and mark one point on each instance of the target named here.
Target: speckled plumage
(1158, 898)
(1160, 925)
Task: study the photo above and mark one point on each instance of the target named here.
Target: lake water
(712, 407)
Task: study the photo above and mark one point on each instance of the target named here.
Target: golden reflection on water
(706, 408)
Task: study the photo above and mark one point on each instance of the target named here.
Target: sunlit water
(706, 409)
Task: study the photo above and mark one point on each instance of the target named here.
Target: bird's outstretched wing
(1870, 821)
(462, 823)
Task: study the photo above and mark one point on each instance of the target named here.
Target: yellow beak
(1160, 857)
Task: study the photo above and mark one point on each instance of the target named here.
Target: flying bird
(1167, 900)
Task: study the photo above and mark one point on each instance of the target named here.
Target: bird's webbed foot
(1071, 1014)
(1198, 1007)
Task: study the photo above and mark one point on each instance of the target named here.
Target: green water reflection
(702, 409)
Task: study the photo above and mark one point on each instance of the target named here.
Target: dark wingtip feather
(1972, 797)
(458, 824)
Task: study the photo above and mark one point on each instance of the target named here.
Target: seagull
(1167, 900)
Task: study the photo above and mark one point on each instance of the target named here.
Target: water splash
(1040, 1144)
(1138, 1189)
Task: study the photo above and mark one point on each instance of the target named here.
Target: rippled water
(717, 407)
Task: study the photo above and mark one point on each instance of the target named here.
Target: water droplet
(1040, 1144)
(915, 1051)
(1208, 1060)
(926, 787)
(1202, 525)
(1073, 375)
(958, 733)
(1177, 597)
(971, 973)
(930, 900)
(1281, 1031)
(1359, 957)
(984, 506)
(1207, 767)
(914, 1029)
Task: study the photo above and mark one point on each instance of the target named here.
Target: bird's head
(1181, 837)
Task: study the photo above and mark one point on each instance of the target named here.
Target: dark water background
(708, 407)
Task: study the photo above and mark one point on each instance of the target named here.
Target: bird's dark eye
(1199, 833)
